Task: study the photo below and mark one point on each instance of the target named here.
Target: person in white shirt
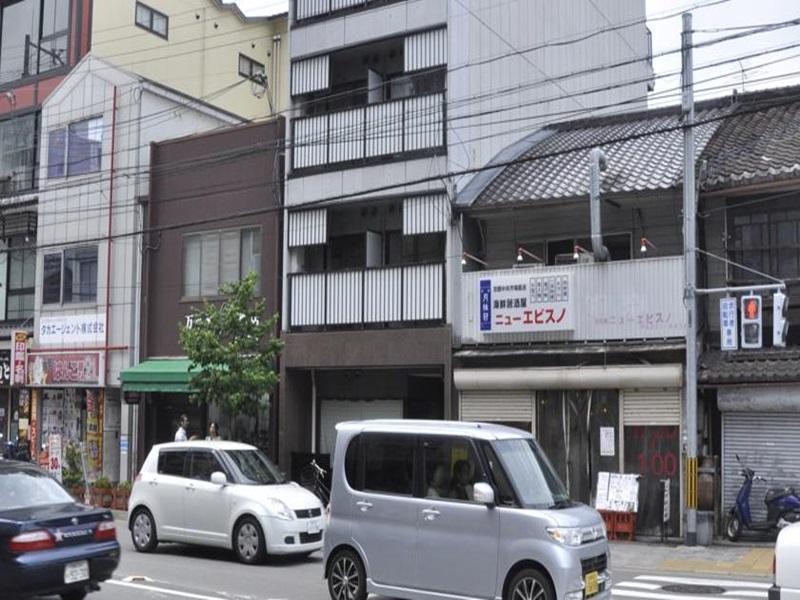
(180, 435)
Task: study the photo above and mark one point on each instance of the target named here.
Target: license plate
(312, 527)
(591, 584)
(76, 571)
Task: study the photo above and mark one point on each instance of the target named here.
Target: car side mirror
(483, 493)
(219, 478)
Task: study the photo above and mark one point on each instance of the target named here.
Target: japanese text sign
(19, 357)
(74, 368)
(72, 329)
(527, 303)
(728, 324)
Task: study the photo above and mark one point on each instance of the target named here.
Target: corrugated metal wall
(308, 227)
(425, 214)
(425, 50)
(767, 443)
(310, 74)
(618, 300)
(498, 405)
(651, 407)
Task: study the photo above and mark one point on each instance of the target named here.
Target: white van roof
(485, 431)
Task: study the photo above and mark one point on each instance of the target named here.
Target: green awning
(158, 375)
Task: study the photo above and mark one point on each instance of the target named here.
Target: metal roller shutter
(505, 406)
(338, 411)
(650, 407)
(767, 443)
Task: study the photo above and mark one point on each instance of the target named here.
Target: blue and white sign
(729, 324)
(486, 305)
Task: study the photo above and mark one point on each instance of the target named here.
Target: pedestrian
(213, 432)
(180, 435)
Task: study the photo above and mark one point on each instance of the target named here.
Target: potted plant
(102, 492)
(121, 494)
(72, 474)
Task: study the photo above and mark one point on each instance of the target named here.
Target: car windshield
(23, 488)
(254, 467)
(531, 474)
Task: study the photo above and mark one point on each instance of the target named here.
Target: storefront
(622, 418)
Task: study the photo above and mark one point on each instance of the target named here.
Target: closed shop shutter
(425, 50)
(310, 75)
(498, 406)
(338, 411)
(651, 407)
(766, 443)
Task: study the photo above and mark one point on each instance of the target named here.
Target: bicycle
(312, 477)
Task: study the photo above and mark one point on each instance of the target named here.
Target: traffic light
(751, 321)
(780, 324)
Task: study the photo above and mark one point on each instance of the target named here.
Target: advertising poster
(94, 433)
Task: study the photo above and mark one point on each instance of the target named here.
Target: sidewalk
(740, 560)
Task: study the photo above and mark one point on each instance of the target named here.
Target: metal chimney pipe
(597, 164)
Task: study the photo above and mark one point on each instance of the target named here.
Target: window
(213, 259)
(70, 276)
(766, 239)
(451, 468)
(21, 279)
(352, 464)
(18, 153)
(203, 465)
(171, 463)
(414, 249)
(250, 68)
(33, 38)
(76, 149)
(505, 493)
(254, 467)
(389, 464)
(152, 20)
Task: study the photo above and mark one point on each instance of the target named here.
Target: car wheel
(74, 595)
(143, 531)
(733, 528)
(248, 541)
(347, 579)
(530, 584)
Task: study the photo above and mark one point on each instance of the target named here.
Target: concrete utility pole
(690, 297)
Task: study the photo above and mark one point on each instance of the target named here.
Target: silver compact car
(222, 494)
(433, 509)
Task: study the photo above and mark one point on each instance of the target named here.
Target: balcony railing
(617, 300)
(369, 132)
(308, 9)
(367, 297)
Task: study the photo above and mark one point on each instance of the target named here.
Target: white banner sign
(729, 324)
(54, 455)
(527, 303)
(72, 329)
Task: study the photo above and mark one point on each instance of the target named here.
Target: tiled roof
(751, 139)
(761, 366)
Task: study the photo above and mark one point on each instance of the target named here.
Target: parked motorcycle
(783, 507)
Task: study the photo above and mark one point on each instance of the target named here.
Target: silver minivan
(437, 509)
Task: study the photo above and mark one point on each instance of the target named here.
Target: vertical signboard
(486, 304)
(54, 453)
(728, 324)
(19, 357)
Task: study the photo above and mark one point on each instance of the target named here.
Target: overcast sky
(748, 73)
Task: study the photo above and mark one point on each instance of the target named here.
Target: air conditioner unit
(565, 259)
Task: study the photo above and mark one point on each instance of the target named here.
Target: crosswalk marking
(650, 587)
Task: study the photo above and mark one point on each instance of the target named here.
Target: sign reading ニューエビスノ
(527, 303)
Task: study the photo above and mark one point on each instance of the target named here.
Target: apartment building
(394, 105)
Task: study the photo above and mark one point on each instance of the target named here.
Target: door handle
(430, 514)
(364, 505)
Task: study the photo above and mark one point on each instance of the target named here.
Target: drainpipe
(110, 230)
(597, 163)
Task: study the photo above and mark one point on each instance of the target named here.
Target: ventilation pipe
(597, 164)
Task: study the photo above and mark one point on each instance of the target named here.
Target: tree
(233, 346)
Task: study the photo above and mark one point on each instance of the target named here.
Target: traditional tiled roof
(744, 140)
(761, 366)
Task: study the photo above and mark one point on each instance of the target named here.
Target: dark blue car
(49, 544)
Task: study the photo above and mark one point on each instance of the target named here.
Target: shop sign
(527, 303)
(5, 367)
(72, 329)
(73, 368)
(54, 453)
(729, 323)
(19, 357)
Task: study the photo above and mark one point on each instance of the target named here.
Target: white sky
(748, 74)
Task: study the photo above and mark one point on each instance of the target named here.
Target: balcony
(587, 302)
(408, 126)
(309, 9)
(375, 297)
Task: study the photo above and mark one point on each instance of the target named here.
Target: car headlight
(569, 536)
(278, 509)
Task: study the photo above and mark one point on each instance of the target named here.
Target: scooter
(783, 507)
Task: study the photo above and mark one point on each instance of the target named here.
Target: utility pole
(690, 297)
